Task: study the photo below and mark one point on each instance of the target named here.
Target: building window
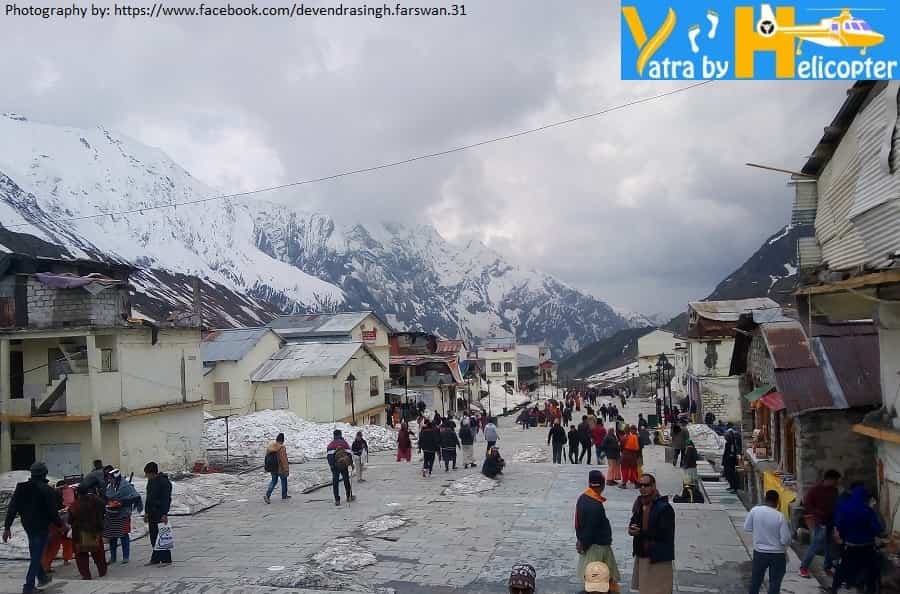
(373, 386)
(221, 393)
(495, 368)
(106, 360)
(279, 397)
(507, 367)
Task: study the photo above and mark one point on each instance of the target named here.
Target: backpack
(271, 462)
(342, 459)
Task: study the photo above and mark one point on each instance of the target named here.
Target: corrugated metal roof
(498, 343)
(320, 324)
(450, 346)
(731, 310)
(855, 362)
(847, 374)
(230, 345)
(787, 345)
(759, 392)
(308, 359)
(803, 389)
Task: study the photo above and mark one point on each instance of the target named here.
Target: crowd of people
(85, 518)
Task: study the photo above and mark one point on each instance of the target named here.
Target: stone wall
(50, 307)
(825, 439)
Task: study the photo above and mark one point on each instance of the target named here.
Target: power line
(383, 165)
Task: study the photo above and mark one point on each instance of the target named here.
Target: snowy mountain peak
(282, 257)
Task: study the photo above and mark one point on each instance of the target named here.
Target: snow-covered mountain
(258, 258)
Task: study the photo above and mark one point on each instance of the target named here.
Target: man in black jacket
(592, 529)
(653, 528)
(35, 502)
(584, 437)
(558, 437)
(574, 440)
(449, 443)
(156, 509)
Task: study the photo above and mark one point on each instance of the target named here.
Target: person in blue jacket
(858, 529)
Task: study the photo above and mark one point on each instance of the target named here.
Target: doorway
(22, 456)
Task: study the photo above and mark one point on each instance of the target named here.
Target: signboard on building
(369, 335)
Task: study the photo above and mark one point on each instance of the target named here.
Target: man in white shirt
(771, 537)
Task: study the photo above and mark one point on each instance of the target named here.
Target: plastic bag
(165, 540)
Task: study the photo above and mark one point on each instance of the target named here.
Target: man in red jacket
(598, 434)
(818, 506)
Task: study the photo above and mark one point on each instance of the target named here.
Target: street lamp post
(350, 379)
(440, 385)
(490, 410)
(505, 392)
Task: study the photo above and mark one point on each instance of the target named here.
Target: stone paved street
(445, 536)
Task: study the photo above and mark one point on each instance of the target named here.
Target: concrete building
(652, 345)
(230, 357)
(364, 327)
(710, 341)
(433, 377)
(500, 357)
(81, 379)
(847, 206)
(323, 382)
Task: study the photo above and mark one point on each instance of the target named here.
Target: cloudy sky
(647, 207)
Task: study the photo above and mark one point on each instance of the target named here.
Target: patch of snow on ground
(344, 554)
(532, 455)
(473, 484)
(383, 524)
(250, 435)
(499, 398)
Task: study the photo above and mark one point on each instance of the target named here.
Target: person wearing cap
(592, 529)
(35, 503)
(522, 579)
(597, 578)
(122, 499)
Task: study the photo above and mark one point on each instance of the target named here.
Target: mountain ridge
(260, 258)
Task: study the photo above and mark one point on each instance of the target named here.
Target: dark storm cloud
(648, 206)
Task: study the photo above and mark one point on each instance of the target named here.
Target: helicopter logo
(843, 30)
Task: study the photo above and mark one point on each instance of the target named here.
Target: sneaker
(266, 499)
(124, 561)
(804, 573)
(351, 498)
(286, 497)
(337, 502)
(43, 584)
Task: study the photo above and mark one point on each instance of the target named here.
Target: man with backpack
(276, 463)
(341, 461)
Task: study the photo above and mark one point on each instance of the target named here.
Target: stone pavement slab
(454, 539)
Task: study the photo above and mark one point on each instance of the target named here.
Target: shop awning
(773, 401)
(759, 392)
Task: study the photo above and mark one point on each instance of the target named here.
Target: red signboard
(369, 335)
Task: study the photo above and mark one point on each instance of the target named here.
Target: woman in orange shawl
(631, 450)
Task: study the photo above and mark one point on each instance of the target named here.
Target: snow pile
(532, 454)
(344, 554)
(499, 398)
(383, 524)
(705, 439)
(474, 484)
(614, 376)
(250, 435)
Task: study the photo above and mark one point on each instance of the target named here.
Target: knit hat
(522, 577)
(596, 577)
(39, 471)
(596, 479)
